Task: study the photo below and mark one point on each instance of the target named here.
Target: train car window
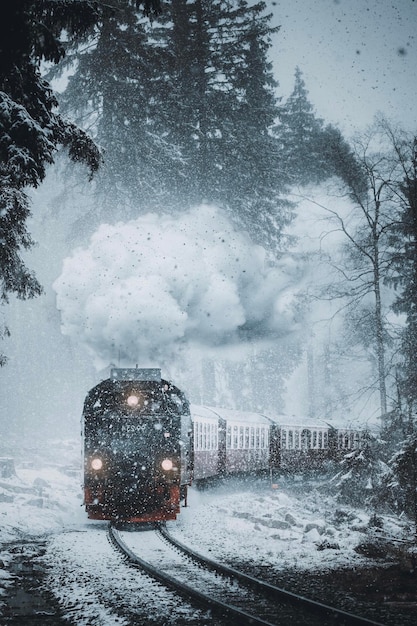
(247, 437)
(200, 436)
(296, 439)
(235, 442)
(306, 439)
(195, 438)
(343, 440)
(215, 437)
(240, 437)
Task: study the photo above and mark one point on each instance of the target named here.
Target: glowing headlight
(133, 401)
(96, 464)
(167, 465)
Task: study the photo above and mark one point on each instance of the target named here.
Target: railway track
(229, 594)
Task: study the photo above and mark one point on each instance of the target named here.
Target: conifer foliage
(312, 152)
(30, 128)
(184, 107)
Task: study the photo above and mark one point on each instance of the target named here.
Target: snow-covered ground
(277, 527)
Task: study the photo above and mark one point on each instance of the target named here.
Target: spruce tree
(183, 107)
(310, 151)
(31, 129)
(405, 262)
(299, 132)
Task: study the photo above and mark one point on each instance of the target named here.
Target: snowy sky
(358, 57)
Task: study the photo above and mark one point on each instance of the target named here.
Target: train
(144, 444)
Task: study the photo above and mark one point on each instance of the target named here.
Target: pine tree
(115, 93)
(256, 196)
(401, 484)
(362, 473)
(299, 133)
(310, 151)
(405, 262)
(31, 130)
(183, 108)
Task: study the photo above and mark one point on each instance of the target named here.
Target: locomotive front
(137, 453)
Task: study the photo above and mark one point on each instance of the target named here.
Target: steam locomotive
(144, 445)
(137, 447)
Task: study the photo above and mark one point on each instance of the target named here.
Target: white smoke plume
(145, 289)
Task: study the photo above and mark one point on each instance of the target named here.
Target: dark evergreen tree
(118, 91)
(400, 487)
(299, 132)
(310, 151)
(404, 241)
(183, 108)
(31, 130)
(257, 179)
(362, 473)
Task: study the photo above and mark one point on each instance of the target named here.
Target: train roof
(339, 423)
(281, 420)
(136, 373)
(230, 415)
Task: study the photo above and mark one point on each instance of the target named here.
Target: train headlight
(132, 401)
(167, 465)
(96, 464)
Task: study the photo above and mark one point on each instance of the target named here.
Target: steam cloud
(143, 290)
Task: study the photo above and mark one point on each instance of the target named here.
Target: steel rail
(339, 616)
(221, 608)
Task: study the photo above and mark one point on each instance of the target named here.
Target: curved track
(228, 593)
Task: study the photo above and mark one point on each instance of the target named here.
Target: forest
(172, 110)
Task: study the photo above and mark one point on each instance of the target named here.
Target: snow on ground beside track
(272, 527)
(246, 521)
